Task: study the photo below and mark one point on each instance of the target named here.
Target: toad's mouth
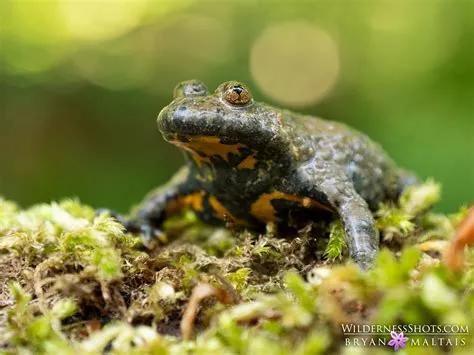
(205, 145)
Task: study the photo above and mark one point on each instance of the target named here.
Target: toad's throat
(206, 146)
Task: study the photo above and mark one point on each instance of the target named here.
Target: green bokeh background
(81, 84)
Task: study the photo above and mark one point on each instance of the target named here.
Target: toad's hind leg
(326, 181)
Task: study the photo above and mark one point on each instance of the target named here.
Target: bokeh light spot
(295, 64)
(93, 20)
(32, 38)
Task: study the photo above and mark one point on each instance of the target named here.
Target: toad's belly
(267, 207)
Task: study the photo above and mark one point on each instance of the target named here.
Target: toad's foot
(151, 236)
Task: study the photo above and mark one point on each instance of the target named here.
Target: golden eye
(237, 94)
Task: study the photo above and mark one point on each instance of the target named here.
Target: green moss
(337, 241)
(73, 282)
(239, 278)
(39, 334)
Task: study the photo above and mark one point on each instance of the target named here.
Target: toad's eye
(236, 94)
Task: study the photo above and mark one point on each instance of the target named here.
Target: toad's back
(316, 141)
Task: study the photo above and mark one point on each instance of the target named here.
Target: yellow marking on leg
(193, 201)
(263, 210)
(223, 213)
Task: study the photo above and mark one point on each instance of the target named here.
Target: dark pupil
(238, 89)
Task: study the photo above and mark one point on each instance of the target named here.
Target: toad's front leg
(147, 218)
(361, 233)
(325, 182)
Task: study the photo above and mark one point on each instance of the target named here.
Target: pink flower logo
(398, 340)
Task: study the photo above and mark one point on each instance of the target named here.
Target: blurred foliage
(81, 83)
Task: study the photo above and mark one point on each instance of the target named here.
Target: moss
(73, 282)
(337, 241)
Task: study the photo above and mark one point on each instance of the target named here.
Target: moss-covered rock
(73, 282)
